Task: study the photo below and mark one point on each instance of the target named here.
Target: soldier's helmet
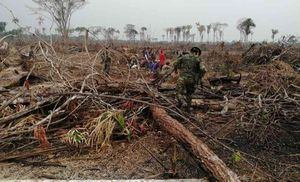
(196, 50)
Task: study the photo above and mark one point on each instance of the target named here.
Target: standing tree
(172, 31)
(222, 26)
(143, 33)
(193, 37)
(96, 30)
(215, 28)
(80, 30)
(201, 29)
(218, 29)
(274, 32)
(240, 29)
(109, 33)
(246, 27)
(188, 32)
(183, 30)
(130, 32)
(61, 12)
(177, 31)
(2, 27)
(167, 33)
(208, 28)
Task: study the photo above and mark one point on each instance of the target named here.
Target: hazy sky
(159, 14)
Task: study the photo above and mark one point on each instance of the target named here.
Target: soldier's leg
(181, 93)
(190, 91)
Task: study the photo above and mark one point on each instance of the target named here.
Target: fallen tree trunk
(208, 158)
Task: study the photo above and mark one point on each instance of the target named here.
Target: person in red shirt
(162, 58)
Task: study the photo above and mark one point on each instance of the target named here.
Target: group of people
(188, 65)
(152, 61)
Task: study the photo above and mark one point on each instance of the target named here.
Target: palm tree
(172, 31)
(274, 32)
(110, 32)
(246, 26)
(130, 32)
(222, 26)
(177, 30)
(183, 30)
(208, 28)
(215, 28)
(167, 33)
(201, 29)
(143, 33)
(240, 29)
(188, 32)
(218, 29)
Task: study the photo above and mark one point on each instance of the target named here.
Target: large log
(208, 158)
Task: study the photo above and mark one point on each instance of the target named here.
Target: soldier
(106, 61)
(191, 72)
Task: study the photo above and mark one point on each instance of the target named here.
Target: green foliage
(247, 25)
(236, 157)
(75, 137)
(121, 121)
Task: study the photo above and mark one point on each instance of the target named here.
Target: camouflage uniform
(106, 61)
(191, 71)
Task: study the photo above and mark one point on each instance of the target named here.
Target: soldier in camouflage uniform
(191, 71)
(106, 61)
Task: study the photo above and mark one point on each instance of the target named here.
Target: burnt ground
(136, 159)
(266, 153)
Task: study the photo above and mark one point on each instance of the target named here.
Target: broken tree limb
(55, 112)
(5, 104)
(20, 155)
(10, 118)
(209, 159)
(225, 79)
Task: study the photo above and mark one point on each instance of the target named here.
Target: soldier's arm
(177, 64)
